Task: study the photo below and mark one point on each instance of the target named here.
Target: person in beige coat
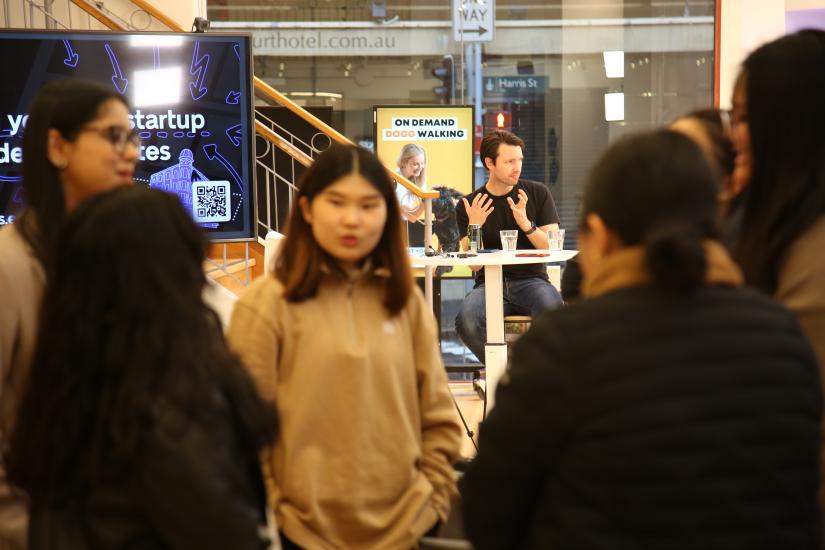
(78, 142)
(343, 343)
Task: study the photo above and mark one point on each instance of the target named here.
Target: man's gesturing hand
(480, 208)
(520, 210)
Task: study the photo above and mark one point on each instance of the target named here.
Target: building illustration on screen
(177, 178)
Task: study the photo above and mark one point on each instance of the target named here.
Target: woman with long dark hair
(77, 142)
(782, 119)
(779, 118)
(347, 347)
(138, 426)
(670, 408)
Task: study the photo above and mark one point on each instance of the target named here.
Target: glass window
(567, 76)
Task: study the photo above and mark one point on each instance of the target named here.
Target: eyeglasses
(118, 136)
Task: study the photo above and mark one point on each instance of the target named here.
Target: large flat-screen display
(191, 99)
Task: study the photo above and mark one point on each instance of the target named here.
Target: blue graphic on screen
(71, 57)
(198, 70)
(119, 82)
(190, 98)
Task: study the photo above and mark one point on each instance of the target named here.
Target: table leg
(495, 350)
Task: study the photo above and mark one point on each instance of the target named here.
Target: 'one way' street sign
(474, 20)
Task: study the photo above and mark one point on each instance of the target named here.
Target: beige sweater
(368, 429)
(801, 286)
(21, 291)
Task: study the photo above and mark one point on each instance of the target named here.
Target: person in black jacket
(138, 428)
(670, 408)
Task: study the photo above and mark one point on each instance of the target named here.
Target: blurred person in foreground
(783, 232)
(778, 120)
(670, 408)
(77, 142)
(138, 427)
(710, 129)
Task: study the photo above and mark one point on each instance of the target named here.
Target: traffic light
(446, 74)
(499, 120)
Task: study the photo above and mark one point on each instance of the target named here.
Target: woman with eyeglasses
(78, 142)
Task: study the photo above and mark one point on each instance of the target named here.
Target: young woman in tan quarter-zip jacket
(343, 343)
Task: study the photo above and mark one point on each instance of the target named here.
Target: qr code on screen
(211, 201)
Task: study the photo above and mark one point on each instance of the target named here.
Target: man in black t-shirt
(506, 202)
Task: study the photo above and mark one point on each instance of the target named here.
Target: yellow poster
(431, 146)
(445, 135)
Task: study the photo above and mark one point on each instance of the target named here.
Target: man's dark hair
(490, 143)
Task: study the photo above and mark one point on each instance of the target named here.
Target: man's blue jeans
(521, 297)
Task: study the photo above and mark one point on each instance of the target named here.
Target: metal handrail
(99, 15)
(282, 144)
(279, 98)
(160, 16)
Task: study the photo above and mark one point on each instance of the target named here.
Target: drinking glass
(556, 239)
(509, 237)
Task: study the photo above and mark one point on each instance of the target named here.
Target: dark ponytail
(675, 256)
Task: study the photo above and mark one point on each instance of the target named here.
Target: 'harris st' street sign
(514, 85)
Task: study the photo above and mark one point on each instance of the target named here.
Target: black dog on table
(444, 224)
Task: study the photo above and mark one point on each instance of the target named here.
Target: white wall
(745, 25)
(791, 5)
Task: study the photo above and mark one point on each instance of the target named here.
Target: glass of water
(556, 239)
(509, 237)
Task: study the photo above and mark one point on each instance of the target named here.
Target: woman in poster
(412, 164)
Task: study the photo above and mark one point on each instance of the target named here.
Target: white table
(495, 350)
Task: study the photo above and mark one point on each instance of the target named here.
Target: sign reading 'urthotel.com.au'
(474, 20)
